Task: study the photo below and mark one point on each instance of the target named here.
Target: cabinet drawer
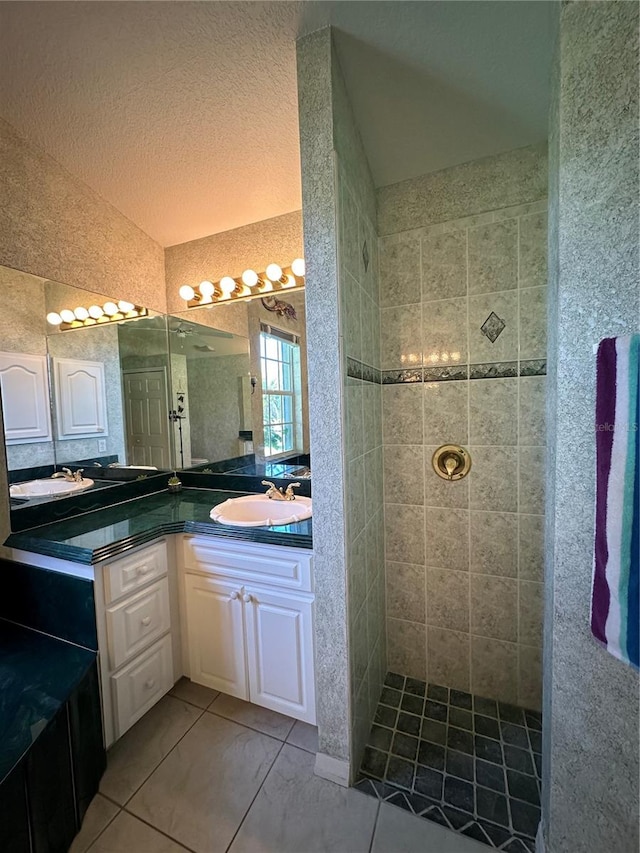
(141, 684)
(130, 573)
(138, 621)
(273, 565)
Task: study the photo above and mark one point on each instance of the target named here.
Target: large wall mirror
(239, 375)
(91, 392)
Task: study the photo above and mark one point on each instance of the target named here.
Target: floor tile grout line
(107, 824)
(244, 817)
(163, 759)
(257, 731)
(375, 825)
(160, 831)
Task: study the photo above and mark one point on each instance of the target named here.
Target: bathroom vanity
(177, 594)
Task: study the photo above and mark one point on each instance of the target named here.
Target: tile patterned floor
(464, 762)
(203, 772)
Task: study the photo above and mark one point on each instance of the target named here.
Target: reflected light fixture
(95, 315)
(250, 285)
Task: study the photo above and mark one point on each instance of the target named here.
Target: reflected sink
(48, 488)
(261, 511)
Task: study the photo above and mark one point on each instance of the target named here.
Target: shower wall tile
(446, 417)
(444, 335)
(494, 543)
(402, 413)
(448, 658)
(494, 607)
(530, 613)
(533, 322)
(399, 271)
(355, 497)
(531, 547)
(400, 336)
(529, 677)
(404, 533)
(493, 479)
(351, 316)
(532, 480)
(448, 599)
(444, 265)
(505, 347)
(533, 249)
(400, 482)
(482, 536)
(354, 442)
(406, 592)
(531, 417)
(494, 669)
(493, 257)
(493, 411)
(405, 648)
(447, 538)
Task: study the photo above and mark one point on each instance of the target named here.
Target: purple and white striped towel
(615, 600)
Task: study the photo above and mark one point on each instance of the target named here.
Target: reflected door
(147, 414)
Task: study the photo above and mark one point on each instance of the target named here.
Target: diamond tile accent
(493, 327)
(462, 761)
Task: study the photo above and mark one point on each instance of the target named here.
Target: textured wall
(322, 295)
(590, 785)
(54, 226)
(464, 190)
(360, 330)
(277, 240)
(464, 559)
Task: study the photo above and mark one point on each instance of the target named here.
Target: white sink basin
(261, 511)
(44, 488)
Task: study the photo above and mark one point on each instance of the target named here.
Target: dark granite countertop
(38, 673)
(110, 531)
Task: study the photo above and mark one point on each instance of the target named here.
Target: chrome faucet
(71, 476)
(279, 494)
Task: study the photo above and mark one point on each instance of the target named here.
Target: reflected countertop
(111, 531)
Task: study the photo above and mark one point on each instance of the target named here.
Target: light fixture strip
(250, 285)
(95, 315)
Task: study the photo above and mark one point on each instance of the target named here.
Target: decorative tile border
(366, 373)
(498, 370)
(535, 367)
(451, 373)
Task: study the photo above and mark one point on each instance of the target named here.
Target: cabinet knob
(146, 620)
(234, 596)
(247, 598)
(149, 683)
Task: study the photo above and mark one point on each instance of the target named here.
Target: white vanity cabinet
(248, 618)
(134, 620)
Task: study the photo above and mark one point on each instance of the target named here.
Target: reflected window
(281, 403)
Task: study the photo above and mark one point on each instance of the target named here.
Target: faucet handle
(77, 475)
(289, 493)
(271, 488)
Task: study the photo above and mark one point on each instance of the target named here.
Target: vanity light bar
(250, 285)
(95, 315)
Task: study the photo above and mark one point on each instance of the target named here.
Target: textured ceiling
(183, 115)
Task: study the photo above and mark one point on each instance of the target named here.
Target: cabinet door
(25, 398)
(216, 635)
(280, 652)
(81, 404)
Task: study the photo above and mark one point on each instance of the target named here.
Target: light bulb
(298, 267)
(228, 284)
(250, 278)
(186, 292)
(274, 272)
(67, 315)
(95, 311)
(54, 318)
(125, 307)
(206, 288)
(110, 308)
(81, 313)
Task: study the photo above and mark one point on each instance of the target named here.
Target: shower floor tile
(468, 763)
